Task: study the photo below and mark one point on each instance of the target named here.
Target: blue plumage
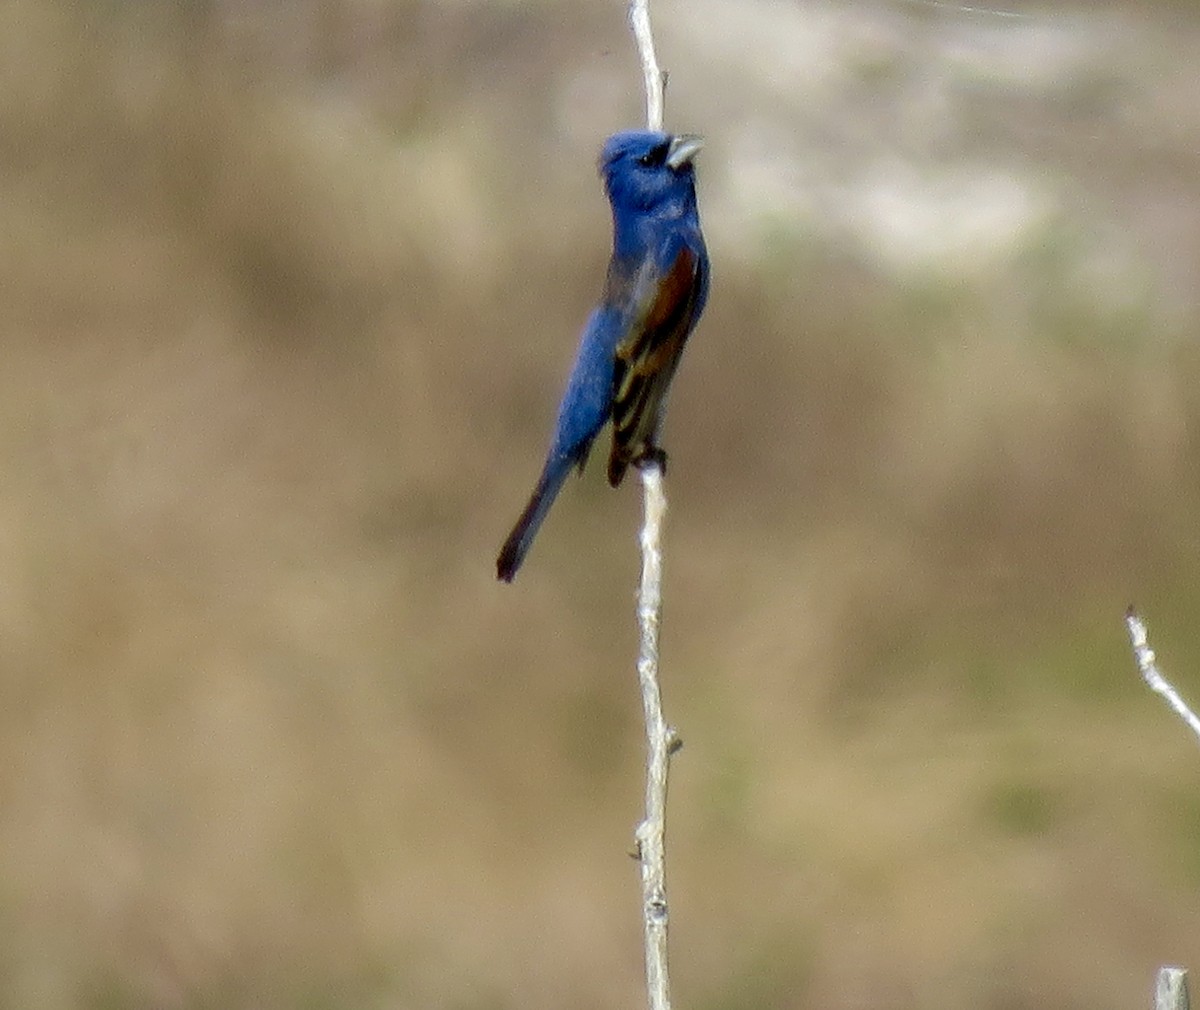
(655, 290)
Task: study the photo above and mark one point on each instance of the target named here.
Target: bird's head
(645, 170)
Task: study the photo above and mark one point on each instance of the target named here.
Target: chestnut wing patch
(647, 357)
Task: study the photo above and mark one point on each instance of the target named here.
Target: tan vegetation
(288, 291)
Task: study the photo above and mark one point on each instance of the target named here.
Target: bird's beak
(683, 149)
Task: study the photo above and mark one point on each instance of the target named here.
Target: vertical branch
(661, 741)
(655, 79)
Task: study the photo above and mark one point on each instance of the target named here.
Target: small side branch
(1148, 667)
(1170, 989)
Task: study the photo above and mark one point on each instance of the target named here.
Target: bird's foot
(652, 455)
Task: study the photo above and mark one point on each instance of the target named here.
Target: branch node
(656, 910)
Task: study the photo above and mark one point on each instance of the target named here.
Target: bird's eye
(656, 156)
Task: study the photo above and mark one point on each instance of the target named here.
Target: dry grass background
(288, 292)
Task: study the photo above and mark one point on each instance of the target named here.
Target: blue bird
(655, 291)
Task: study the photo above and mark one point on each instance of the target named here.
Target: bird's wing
(664, 308)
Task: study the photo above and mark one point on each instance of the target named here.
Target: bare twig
(639, 21)
(1148, 666)
(1170, 989)
(661, 741)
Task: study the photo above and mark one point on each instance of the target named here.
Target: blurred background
(288, 293)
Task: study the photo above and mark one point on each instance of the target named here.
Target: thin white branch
(639, 21)
(1170, 989)
(1148, 667)
(661, 742)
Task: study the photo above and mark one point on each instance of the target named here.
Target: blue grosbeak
(655, 291)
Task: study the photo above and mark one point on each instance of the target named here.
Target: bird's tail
(519, 540)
